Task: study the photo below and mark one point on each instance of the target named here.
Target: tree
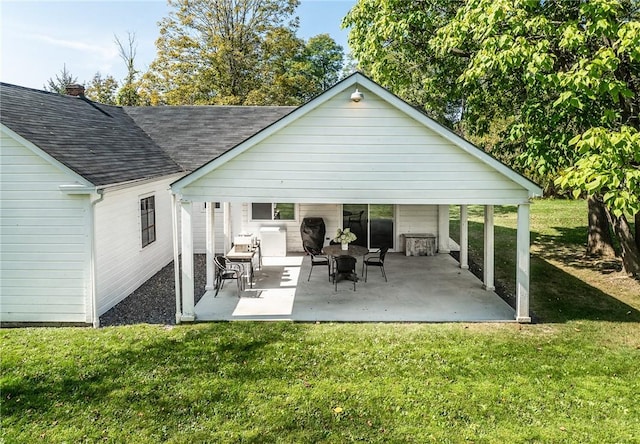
(128, 93)
(102, 90)
(558, 80)
(209, 51)
(325, 60)
(60, 83)
(237, 52)
(390, 40)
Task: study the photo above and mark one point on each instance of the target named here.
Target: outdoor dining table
(353, 250)
(243, 257)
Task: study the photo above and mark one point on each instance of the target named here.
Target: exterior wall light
(357, 96)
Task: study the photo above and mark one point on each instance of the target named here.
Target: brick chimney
(75, 90)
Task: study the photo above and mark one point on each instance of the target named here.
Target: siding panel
(122, 264)
(369, 152)
(44, 262)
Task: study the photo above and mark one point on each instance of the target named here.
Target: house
(95, 199)
(85, 207)
(356, 147)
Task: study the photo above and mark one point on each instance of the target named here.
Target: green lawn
(574, 376)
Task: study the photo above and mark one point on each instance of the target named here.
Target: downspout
(94, 266)
(176, 257)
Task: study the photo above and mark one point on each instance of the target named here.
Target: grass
(572, 377)
(565, 284)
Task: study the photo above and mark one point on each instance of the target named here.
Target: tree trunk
(599, 238)
(630, 254)
(638, 230)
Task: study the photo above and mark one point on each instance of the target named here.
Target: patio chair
(370, 260)
(356, 219)
(345, 267)
(318, 260)
(225, 270)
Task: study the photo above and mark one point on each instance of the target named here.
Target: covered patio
(419, 289)
(322, 160)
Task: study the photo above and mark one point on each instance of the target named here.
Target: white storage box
(273, 241)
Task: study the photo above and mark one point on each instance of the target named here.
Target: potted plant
(344, 236)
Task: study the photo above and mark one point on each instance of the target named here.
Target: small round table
(336, 250)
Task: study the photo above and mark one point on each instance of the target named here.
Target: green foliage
(61, 81)
(609, 165)
(102, 89)
(390, 40)
(235, 53)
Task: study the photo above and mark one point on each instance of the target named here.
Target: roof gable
(337, 93)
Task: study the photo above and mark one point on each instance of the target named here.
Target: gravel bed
(154, 302)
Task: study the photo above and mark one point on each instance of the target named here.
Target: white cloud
(102, 51)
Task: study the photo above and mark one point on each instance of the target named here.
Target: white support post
(464, 237)
(210, 244)
(523, 265)
(176, 256)
(489, 247)
(188, 312)
(226, 225)
(443, 229)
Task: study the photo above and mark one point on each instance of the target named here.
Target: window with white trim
(273, 211)
(148, 220)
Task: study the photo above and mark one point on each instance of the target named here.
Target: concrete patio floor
(419, 289)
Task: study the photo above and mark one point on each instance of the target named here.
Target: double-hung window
(148, 220)
(273, 211)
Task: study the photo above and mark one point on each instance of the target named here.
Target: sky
(39, 38)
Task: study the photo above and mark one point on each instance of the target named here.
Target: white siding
(415, 219)
(408, 219)
(199, 233)
(366, 152)
(330, 214)
(44, 238)
(122, 264)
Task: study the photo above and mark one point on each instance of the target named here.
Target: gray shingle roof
(195, 135)
(100, 142)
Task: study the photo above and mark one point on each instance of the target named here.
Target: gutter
(94, 266)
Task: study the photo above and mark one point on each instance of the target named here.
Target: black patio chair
(356, 219)
(345, 267)
(318, 260)
(226, 270)
(374, 259)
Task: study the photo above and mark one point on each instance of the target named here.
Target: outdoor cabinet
(419, 244)
(273, 241)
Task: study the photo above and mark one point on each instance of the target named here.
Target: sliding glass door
(372, 224)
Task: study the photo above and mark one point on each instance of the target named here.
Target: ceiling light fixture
(357, 96)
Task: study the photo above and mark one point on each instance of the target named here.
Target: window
(148, 220)
(273, 211)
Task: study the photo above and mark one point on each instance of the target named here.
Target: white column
(226, 225)
(489, 247)
(176, 256)
(464, 237)
(187, 263)
(443, 228)
(522, 265)
(210, 243)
